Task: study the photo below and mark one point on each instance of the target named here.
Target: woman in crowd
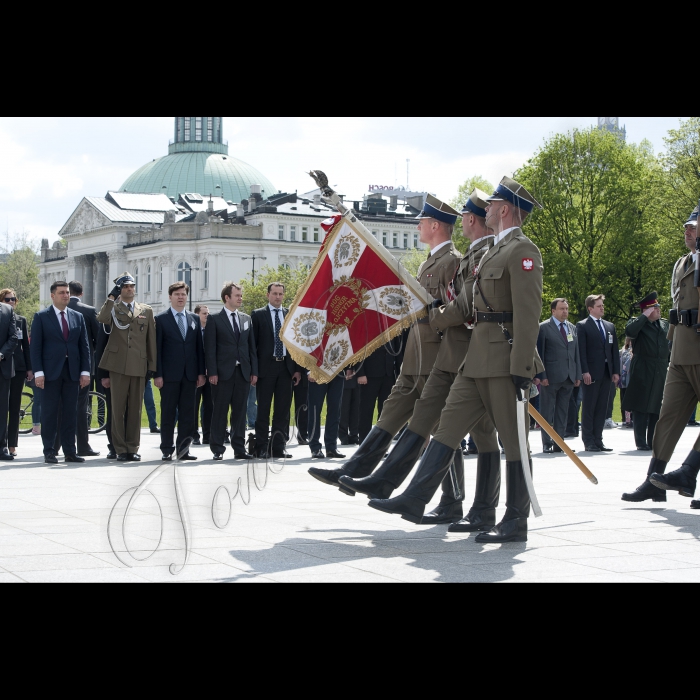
(23, 371)
(626, 357)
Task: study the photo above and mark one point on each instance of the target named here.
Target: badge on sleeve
(528, 264)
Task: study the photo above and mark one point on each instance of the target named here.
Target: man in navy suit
(600, 363)
(9, 341)
(61, 360)
(180, 372)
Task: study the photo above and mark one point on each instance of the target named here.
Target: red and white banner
(357, 298)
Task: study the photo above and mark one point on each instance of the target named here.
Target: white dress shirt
(272, 314)
(481, 240)
(439, 247)
(503, 234)
(58, 313)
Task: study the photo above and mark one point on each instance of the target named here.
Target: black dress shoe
(50, 460)
(123, 458)
(592, 448)
(506, 532)
(334, 454)
(6, 457)
(644, 448)
(155, 431)
(318, 455)
(74, 459)
(603, 448)
(695, 505)
(444, 515)
(187, 458)
(197, 442)
(559, 451)
(166, 458)
(218, 458)
(243, 457)
(134, 457)
(111, 455)
(89, 453)
(281, 455)
(302, 442)
(549, 450)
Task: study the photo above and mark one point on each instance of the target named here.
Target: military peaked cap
(511, 191)
(693, 220)
(435, 209)
(123, 279)
(477, 203)
(649, 301)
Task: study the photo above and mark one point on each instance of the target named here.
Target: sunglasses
(9, 299)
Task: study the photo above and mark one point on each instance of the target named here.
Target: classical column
(81, 261)
(101, 278)
(89, 281)
(117, 265)
(166, 263)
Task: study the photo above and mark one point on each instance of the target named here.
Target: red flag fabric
(357, 298)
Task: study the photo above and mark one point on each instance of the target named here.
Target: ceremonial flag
(356, 299)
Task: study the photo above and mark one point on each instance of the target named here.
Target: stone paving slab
(54, 525)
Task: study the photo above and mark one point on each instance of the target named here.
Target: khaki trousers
(681, 397)
(472, 400)
(127, 400)
(430, 407)
(398, 408)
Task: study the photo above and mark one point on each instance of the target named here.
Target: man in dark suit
(204, 396)
(600, 364)
(232, 364)
(180, 371)
(559, 350)
(376, 377)
(89, 313)
(278, 374)
(8, 338)
(61, 360)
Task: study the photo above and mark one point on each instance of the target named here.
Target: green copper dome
(198, 162)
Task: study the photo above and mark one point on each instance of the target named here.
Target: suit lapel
(558, 332)
(225, 315)
(56, 322)
(173, 322)
(594, 324)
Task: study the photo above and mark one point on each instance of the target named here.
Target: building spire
(199, 134)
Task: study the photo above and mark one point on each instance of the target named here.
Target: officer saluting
(682, 391)
(130, 355)
(501, 363)
(436, 225)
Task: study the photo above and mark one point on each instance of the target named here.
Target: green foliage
(457, 203)
(255, 295)
(21, 273)
(682, 166)
(413, 260)
(599, 231)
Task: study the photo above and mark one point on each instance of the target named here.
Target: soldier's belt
(494, 318)
(687, 317)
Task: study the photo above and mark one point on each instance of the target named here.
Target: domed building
(198, 161)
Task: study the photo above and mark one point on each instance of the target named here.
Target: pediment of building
(85, 218)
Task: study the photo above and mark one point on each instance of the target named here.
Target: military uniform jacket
(451, 320)
(511, 277)
(645, 392)
(423, 346)
(133, 351)
(686, 342)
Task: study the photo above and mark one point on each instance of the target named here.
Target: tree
(465, 190)
(255, 295)
(682, 166)
(21, 272)
(599, 231)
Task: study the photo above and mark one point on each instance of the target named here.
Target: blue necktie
(602, 330)
(181, 323)
(236, 327)
(279, 347)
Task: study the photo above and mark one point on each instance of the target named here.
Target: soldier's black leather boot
(685, 480)
(411, 505)
(364, 461)
(451, 508)
(482, 516)
(647, 491)
(391, 475)
(513, 528)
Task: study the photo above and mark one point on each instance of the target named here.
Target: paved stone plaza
(55, 526)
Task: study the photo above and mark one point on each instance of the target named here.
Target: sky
(48, 164)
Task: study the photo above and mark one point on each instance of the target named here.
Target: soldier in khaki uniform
(501, 362)
(436, 226)
(682, 391)
(454, 321)
(130, 355)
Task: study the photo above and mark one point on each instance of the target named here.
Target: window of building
(415, 240)
(395, 240)
(292, 233)
(286, 266)
(148, 279)
(205, 284)
(385, 239)
(375, 234)
(305, 234)
(317, 235)
(405, 241)
(160, 279)
(198, 129)
(188, 128)
(210, 129)
(280, 233)
(184, 273)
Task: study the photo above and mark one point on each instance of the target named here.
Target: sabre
(562, 445)
(523, 432)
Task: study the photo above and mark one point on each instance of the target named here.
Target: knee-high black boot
(364, 461)
(451, 509)
(411, 505)
(482, 516)
(647, 491)
(391, 475)
(685, 480)
(513, 528)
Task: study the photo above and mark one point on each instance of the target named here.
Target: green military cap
(648, 301)
(435, 209)
(125, 278)
(477, 203)
(511, 191)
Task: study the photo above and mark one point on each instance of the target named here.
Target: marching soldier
(500, 364)
(454, 320)
(130, 355)
(437, 221)
(682, 391)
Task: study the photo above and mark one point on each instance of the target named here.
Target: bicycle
(96, 413)
(26, 422)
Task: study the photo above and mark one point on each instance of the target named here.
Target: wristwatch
(2, 357)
